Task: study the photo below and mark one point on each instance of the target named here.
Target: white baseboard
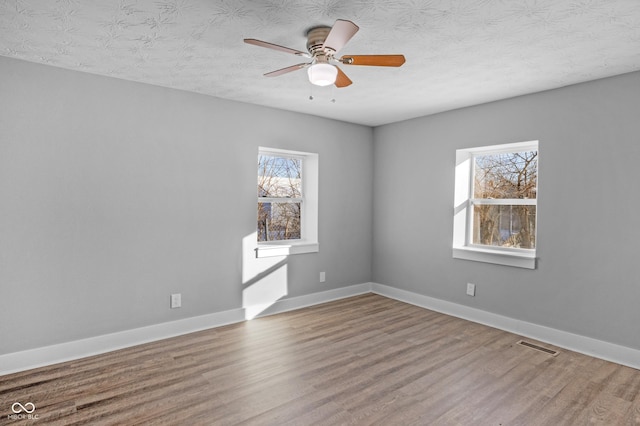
(39, 357)
(68, 351)
(573, 342)
(298, 302)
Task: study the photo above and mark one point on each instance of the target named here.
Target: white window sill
(517, 259)
(286, 249)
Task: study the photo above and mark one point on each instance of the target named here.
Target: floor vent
(538, 348)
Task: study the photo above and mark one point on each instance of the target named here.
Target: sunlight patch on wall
(264, 280)
(265, 292)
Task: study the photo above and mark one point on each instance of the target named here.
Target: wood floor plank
(364, 360)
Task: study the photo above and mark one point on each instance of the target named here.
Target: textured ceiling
(458, 53)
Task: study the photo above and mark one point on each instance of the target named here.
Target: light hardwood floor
(362, 360)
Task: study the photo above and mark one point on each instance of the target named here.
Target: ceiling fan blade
(340, 34)
(286, 70)
(275, 47)
(342, 80)
(374, 60)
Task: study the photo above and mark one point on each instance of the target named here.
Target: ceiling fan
(322, 45)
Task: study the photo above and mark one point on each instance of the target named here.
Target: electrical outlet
(323, 277)
(471, 289)
(176, 300)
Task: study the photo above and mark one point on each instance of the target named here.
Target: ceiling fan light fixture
(322, 44)
(322, 74)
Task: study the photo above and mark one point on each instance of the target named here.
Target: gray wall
(588, 231)
(114, 194)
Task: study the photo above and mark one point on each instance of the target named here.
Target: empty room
(281, 212)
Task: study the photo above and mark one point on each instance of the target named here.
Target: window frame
(308, 242)
(464, 202)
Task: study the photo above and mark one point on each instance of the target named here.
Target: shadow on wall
(264, 280)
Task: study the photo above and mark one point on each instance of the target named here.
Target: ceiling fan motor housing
(315, 44)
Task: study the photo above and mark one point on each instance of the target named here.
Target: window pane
(278, 221)
(505, 226)
(506, 175)
(279, 177)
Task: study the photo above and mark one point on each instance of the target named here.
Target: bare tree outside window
(279, 198)
(504, 199)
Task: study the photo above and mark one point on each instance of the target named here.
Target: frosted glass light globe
(322, 74)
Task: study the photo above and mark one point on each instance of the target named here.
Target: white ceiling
(458, 53)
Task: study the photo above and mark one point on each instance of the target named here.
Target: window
(287, 202)
(279, 197)
(496, 204)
